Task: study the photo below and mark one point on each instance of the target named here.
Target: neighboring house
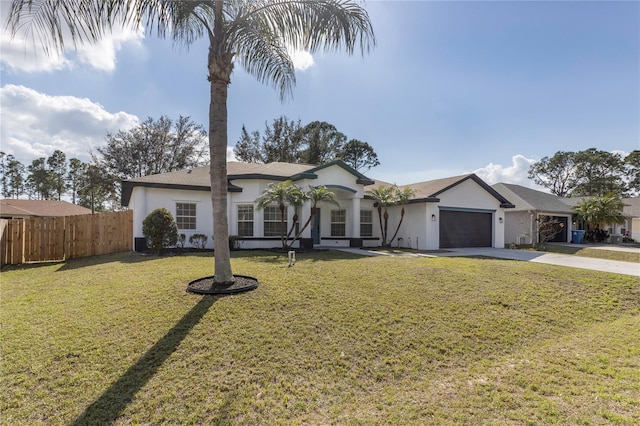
(22, 209)
(462, 211)
(530, 205)
(632, 213)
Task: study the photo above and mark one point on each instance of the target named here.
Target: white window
(186, 215)
(338, 223)
(245, 221)
(272, 221)
(366, 223)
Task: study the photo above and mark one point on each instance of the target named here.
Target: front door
(315, 229)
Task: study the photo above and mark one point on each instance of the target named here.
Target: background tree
(152, 147)
(321, 142)
(75, 178)
(281, 142)
(15, 172)
(316, 143)
(38, 184)
(598, 173)
(248, 149)
(254, 35)
(359, 155)
(632, 167)
(97, 191)
(4, 181)
(557, 173)
(57, 169)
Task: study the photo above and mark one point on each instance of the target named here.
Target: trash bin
(577, 237)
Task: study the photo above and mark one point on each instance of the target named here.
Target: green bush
(160, 230)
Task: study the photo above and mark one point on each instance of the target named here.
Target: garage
(465, 229)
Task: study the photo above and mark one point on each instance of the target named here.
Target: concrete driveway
(614, 266)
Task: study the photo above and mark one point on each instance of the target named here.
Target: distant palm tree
(600, 211)
(402, 197)
(383, 196)
(256, 34)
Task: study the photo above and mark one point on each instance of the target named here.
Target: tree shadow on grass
(125, 257)
(110, 405)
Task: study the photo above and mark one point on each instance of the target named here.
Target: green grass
(336, 339)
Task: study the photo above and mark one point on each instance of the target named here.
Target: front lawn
(336, 339)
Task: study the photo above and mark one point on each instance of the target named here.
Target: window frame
(368, 224)
(244, 222)
(189, 214)
(271, 222)
(338, 222)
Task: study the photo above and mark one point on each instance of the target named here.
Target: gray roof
(526, 199)
(430, 190)
(631, 207)
(198, 179)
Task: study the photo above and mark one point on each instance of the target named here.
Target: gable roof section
(631, 207)
(429, 191)
(48, 208)
(530, 199)
(197, 179)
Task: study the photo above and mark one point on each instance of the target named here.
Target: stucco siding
(517, 226)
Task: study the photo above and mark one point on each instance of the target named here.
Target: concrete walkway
(604, 265)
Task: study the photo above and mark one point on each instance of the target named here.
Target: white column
(305, 212)
(355, 207)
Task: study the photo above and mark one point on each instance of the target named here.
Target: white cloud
(23, 53)
(302, 59)
(516, 173)
(230, 155)
(35, 124)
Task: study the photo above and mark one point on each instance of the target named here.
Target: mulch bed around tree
(206, 285)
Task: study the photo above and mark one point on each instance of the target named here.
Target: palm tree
(383, 196)
(281, 194)
(402, 197)
(599, 211)
(256, 34)
(316, 194)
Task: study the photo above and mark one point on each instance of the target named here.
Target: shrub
(160, 230)
(198, 240)
(235, 242)
(181, 240)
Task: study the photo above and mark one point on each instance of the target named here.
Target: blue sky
(451, 88)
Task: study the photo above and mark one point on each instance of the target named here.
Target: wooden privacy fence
(61, 238)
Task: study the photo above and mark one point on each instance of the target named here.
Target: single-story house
(631, 212)
(521, 222)
(530, 205)
(23, 209)
(461, 211)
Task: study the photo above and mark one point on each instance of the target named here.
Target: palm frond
(262, 54)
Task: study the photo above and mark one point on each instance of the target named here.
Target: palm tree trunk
(386, 226)
(398, 227)
(380, 220)
(313, 213)
(218, 155)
